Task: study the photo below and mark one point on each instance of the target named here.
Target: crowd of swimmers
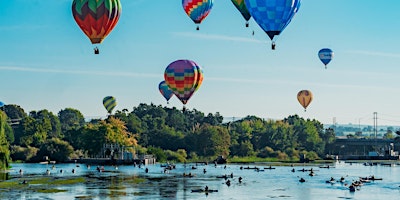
(352, 187)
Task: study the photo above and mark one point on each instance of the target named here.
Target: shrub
(23, 153)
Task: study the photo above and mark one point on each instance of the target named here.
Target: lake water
(278, 183)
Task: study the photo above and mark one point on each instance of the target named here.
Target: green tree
(4, 145)
(158, 153)
(175, 119)
(70, 119)
(45, 117)
(110, 131)
(93, 138)
(166, 138)
(210, 141)
(56, 150)
(15, 114)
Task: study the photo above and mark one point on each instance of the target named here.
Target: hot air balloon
(96, 18)
(183, 77)
(109, 103)
(273, 15)
(165, 91)
(197, 10)
(200, 78)
(1, 104)
(241, 6)
(305, 97)
(325, 55)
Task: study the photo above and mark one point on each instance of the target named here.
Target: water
(278, 183)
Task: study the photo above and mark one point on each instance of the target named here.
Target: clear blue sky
(47, 62)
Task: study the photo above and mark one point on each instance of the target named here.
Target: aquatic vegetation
(49, 190)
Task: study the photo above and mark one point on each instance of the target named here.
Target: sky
(46, 62)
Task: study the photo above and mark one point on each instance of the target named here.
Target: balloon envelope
(96, 18)
(305, 97)
(183, 78)
(325, 55)
(165, 90)
(241, 6)
(273, 15)
(109, 103)
(197, 10)
(1, 104)
(200, 78)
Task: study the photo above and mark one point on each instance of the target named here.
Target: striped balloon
(165, 90)
(109, 103)
(305, 97)
(96, 18)
(200, 78)
(197, 10)
(182, 77)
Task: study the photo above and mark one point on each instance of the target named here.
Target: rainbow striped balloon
(197, 10)
(183, 77)
(96, 18)
(109, 103)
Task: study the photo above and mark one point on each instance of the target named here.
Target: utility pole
(334, 124)
(376, 124)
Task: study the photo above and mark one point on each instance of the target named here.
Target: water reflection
(128, 182)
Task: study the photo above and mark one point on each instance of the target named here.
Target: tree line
(168, 133)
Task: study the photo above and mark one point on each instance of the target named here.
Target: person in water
(228, 183)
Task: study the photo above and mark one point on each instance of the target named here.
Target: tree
(117, 133)
(110, 131)
(56, 150)
(70, 119)
(166, 138)
(210, 141)
(175, 119)
(15, 114)
(4, 145)
(93, 138)
(44, 117)
(14, 111)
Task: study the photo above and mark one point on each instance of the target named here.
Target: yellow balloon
(305, 97)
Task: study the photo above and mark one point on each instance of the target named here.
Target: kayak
(202, 190)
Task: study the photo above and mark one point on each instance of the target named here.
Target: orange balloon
(305, 97)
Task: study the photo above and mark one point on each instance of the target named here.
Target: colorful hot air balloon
(96, 18)
(197, 10)
(183, 77)
(305, 97)
(325, 55)
(165, 90)
(273, 15)
(241, 6)
(200, 78)
(109, 103)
